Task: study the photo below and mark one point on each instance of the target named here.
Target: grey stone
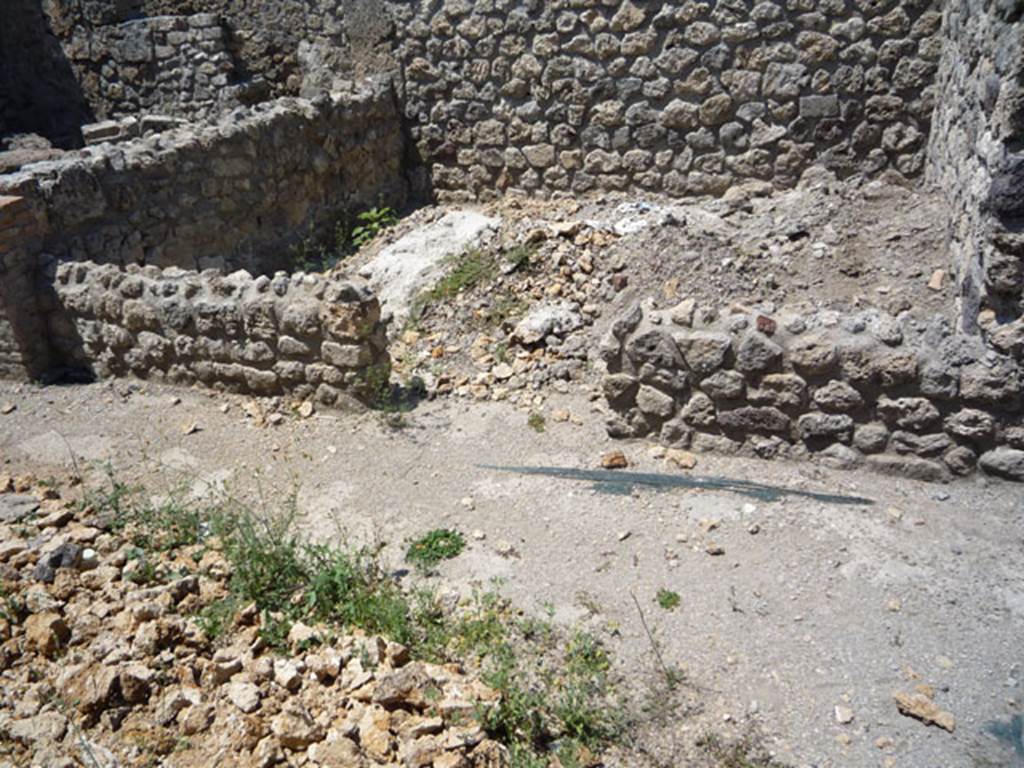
(921, 445)
(699, 411)
(655, 347)
(870, 438)
(909, 466)
(815, 426)
(15, 507)
(839, 456)
(783, 390)
(916, 413)
(67, 555)
(654, 402)
(1004, 462)
(704, 351)
(838, 396)
(724, 385)
(620, 390)
(757, 353)
(753, 419)
(814, 107)
(814, 355)
(970, 424)
(549, 319)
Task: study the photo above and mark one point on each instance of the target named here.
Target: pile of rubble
(105, 661)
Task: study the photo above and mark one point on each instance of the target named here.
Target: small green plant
(437, 545)
(668, 599)
(467, 271)
(536, 422)
(371, 224)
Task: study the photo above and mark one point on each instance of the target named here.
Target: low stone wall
(232, 195)
(976, 158)
(300, 335)
(235, 195)
(24, 350)
(850, 390)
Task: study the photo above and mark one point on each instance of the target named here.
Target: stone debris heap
(102, 667)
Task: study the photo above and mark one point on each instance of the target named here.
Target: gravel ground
(811, 605)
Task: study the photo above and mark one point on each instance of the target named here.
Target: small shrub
(371, 224)
(437, 545)
(668, 599)
(536, 422)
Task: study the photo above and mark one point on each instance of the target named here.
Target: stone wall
(300, 335)
(38, 89)
(169, 65)
(24, 349)
(976, 156)
(680, 97)
(233, 195)
(865, 389)
(121, 50)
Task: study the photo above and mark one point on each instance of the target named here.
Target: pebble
(844, 715)
(479, 535)
(8, 408)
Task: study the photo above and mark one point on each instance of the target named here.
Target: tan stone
(46, 633)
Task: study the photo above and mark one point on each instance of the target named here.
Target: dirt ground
(811, 606)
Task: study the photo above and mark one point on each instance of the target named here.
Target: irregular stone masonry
(23, 348)
(300, 335)
(678, 97)
(792, 385)
(228, 196)
(976, 159)
(172, 65)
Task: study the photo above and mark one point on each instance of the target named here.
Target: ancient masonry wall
(976, 156)
(848, 390)
(680, 97)
(300, 335)
(229, 196)
(170, 65)
(24, 350)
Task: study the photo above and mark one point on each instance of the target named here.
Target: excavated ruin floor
(811, 605)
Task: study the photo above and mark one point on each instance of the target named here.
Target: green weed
(371, 224)
(668, 599)
(536, 422)
(437, 545)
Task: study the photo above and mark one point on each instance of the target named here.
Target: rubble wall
(856, 389)
(169, 65)
(976, 156)
(300, 335)
(234, 195)
(677, 97)
(231, 195)
(24, 349)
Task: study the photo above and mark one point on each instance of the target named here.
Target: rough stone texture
(303, 335)
(676, 97)
(976, 158)
(228, 196)
(842, 393)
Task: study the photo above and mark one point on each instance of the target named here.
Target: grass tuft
(437, 545)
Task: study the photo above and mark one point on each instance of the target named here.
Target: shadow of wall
(38, 89)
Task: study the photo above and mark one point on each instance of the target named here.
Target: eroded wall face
(676, 97)
(976, 156)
